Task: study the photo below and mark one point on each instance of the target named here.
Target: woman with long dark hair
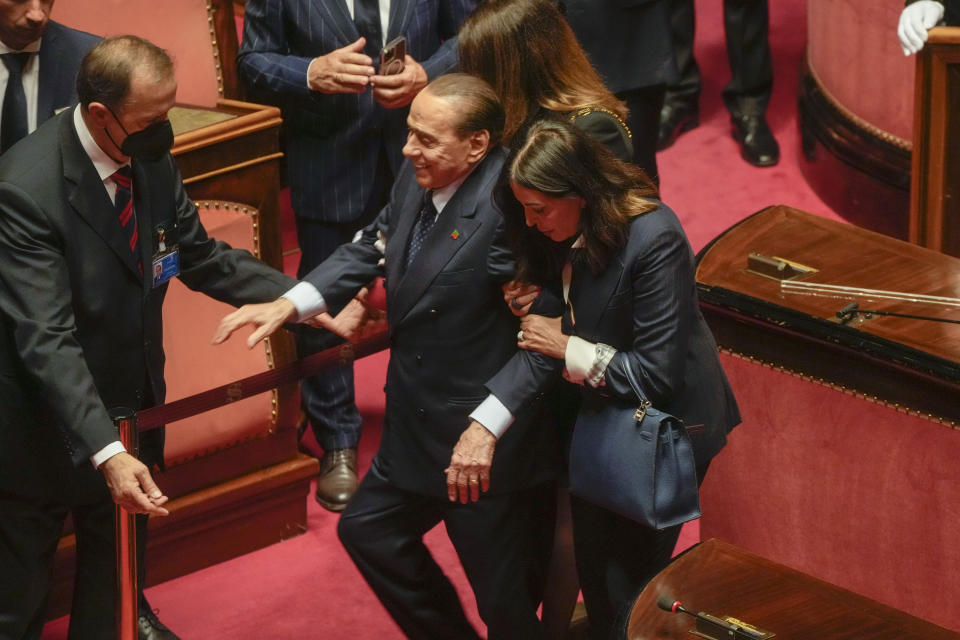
(530, 56)
(527, 52)
(592, 225)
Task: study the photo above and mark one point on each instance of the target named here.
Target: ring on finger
(516, 304)
(520, 335)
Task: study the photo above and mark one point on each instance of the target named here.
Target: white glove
(915, 20)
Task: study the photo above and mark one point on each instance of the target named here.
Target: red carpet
(307, 587)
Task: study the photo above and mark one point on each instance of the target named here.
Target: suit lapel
(89, 198)
(143, 209)
(334, 13)
(597, 290)
(50, 72)
(396, 250)
(401, 11)
(457, 222)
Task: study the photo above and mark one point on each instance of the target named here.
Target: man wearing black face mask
(93, 222)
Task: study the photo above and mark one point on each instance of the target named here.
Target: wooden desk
(845, 465)
(723, 580)
(233, 153)
(901, 362)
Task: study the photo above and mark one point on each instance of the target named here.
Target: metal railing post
(125, 526)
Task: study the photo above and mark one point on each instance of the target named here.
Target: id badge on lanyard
(166, 260)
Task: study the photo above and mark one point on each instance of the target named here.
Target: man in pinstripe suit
(344, 128)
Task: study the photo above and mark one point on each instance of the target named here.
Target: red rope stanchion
(258, 383)
(129, 424)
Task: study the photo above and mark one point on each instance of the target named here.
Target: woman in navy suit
(590, 223)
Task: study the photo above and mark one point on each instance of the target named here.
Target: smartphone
(392, 56)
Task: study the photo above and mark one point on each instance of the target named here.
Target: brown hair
(107, 69)
(527, 52)
(560, 161)
(481, 106)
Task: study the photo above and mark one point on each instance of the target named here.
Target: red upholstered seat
(193, 364)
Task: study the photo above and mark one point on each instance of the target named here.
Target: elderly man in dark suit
(345, 126)
(88, 204)
(455, 382)
(40, 62)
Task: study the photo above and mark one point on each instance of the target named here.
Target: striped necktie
(123, 206)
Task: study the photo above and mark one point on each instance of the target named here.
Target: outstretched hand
(266, 317)
(356, 321)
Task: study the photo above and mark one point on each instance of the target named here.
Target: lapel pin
(455, 235)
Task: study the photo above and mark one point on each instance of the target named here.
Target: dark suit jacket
(645, 306)
(628, 41)
(81, 327)
(333, 141)
(61, 51)
(952, 13)
(452, 337)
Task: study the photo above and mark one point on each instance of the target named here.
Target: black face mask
(151, 142)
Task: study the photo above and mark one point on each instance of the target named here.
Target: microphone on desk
(707, 624)
(669, 604)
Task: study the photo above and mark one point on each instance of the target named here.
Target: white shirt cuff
(579, 358)
(493, 415)
(306, 299)
(586, 362)
(106, 453)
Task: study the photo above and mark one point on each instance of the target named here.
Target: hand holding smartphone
(392, 57)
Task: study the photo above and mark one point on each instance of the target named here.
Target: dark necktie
(366, 15)
(13, 121)
(123, 205)
(422, 227)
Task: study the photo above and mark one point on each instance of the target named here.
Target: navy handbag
(634, 460)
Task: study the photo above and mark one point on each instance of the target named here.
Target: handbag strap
(634, 382)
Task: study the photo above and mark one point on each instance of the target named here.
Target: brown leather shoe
(337, 481)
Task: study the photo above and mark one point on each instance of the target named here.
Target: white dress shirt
(384, 16)
(584, 362)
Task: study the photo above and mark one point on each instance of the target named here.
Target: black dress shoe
(337, 481)
(674, 120)
(757, 144)
(152, 629)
